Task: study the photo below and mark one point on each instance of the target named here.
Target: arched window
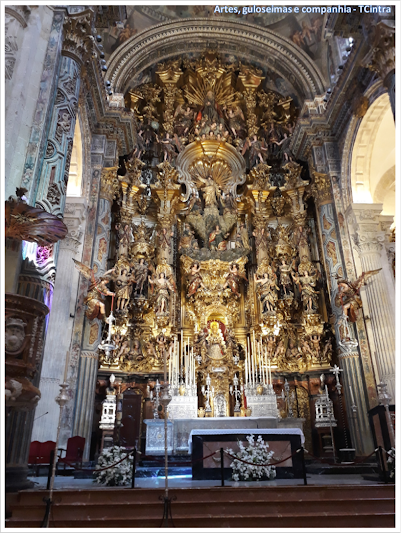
(74, 187)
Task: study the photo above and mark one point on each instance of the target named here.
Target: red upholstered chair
(39, 453)
(74, 451)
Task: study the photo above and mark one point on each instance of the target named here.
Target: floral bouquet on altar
(256, 453)
(121, 474)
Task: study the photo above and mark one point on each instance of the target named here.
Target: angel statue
(123, 286)
(97, 289)
(349, 294)
(233, 279)
(195, 280)
(163, 289)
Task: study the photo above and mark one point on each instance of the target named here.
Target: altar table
(283, 442)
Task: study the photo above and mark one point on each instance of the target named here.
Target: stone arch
(245, 41)
(373, 156)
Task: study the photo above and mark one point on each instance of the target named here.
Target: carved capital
(368, 243)
(78, 39)
(109, 184)
(321, 188)
(381, 57)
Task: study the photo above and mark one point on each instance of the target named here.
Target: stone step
(372, 505)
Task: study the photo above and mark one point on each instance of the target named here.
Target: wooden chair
(73, 453)
(39, 453)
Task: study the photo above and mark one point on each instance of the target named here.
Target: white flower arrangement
(120, 474)
(257, 453)
(391, 463)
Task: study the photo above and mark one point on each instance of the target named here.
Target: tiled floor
(62, 482)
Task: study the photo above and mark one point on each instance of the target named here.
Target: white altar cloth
(245, 431)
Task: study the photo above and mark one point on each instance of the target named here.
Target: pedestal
(155, 437)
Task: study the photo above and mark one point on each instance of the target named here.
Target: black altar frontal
(284, 445)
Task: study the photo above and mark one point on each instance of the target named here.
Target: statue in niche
(349, 294)
(306, 280)
(163, 289)
(195, 280)
(292, 355)
(301, 240)
(123, 285)
(215, 342)
(241, 238)
(233, 279)
(211, 192)
(124, 236)
(306, 351)
(210, 111)
(256, 149)
(267, 290)
(140, 146)
(122, 349)
(136, 352)
(286, 271)
(140, 269)
(270, 346)
(217, 241)
(284, 151)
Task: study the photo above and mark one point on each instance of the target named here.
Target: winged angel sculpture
(94, 300)
(349, 294)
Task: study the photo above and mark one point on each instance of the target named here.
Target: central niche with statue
(217, 265)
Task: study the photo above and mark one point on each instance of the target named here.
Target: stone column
(381, 57)
(92, 330)
(349, 361)
(379, 293)
(60, 324)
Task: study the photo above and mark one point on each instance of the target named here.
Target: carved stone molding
(78, 39)
(321, 188)
(368, 243)
(24, 329)
(250, 41)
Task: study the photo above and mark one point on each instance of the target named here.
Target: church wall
(28, 90)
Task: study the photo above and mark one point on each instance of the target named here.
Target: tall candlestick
(182, 348)
(246, 368)
(270, 373)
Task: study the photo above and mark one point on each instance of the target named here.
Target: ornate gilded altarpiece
(216, 240)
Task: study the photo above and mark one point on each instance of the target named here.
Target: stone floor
(64, 482)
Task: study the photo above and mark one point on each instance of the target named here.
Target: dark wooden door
(131, 418)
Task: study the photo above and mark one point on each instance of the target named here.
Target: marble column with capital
(87, 365)
(378, 296)
(350, 361)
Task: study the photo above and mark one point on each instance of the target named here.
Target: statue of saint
(211, 192)
(140, 276)
(217, 239)
(306, 282)
(215, 342)
(267, 290)
(163, 288)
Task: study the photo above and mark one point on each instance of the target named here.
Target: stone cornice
(194, 33)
